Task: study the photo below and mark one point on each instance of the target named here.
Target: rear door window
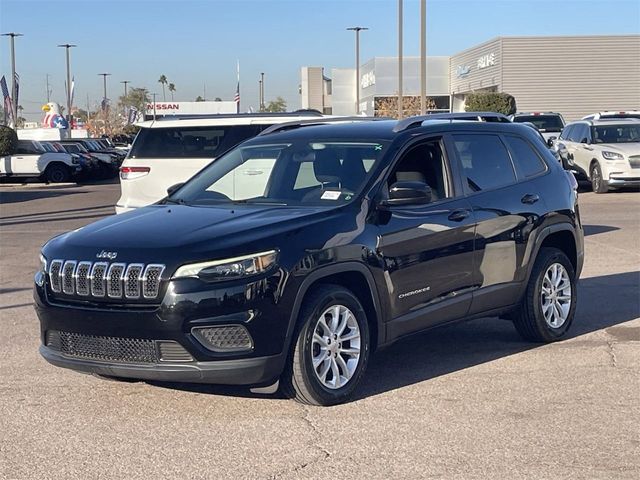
(190, 142)
(485, 161)
(526, 160)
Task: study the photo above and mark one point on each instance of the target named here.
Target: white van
(171, 150)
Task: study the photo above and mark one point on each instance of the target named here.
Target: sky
(196, 43)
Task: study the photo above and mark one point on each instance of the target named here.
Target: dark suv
(298, 253)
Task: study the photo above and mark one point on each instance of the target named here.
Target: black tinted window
(485, 161)
(565, 135)
(190, 142)
(525, 158)
(579, 132)
(544, 123)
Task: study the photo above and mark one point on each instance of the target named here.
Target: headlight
(612, 155)
(43, 263)
(229, 268)
(75, 161)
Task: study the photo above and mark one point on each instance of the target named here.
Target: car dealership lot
(465, 401)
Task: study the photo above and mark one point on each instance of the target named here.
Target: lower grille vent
(109, 349)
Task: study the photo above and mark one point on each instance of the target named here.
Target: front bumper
(125, 340)
(624, 181)
(257, 371)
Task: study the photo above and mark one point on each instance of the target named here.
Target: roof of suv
(230, 119)
(609, 121)
(386, 129)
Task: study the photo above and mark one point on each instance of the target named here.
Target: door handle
(587, 148)
(530, 198)
(459, 215)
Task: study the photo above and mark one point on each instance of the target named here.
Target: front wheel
(549, 303)
(57, 173)
(331, 348)
(598, 184)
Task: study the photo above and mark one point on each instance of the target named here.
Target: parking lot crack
(322, 453)
(612, 353)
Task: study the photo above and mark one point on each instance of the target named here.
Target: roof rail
(279, 127)
(469, 116)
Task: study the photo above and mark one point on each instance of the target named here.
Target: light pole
(104, 80)
(357, 30)
(423, 57)
(125, 87)
(14, 85)
(67, 46)
(260, 95)
(262, 91)
(400, 102)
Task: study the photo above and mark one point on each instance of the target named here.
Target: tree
(277, 105)
(499, 102)
(163, 81)
(136, 97)
(8, 140)
(172, 88)
(199, 99)
(388, 106)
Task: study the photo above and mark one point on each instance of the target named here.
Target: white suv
(606, 152)
(171, 150)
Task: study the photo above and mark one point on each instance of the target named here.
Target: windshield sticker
(330, 195)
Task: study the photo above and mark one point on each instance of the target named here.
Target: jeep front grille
(99, 280)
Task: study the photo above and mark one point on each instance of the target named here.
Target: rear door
(505, 205)
(427, 249)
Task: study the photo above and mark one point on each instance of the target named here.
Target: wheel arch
(356, 278)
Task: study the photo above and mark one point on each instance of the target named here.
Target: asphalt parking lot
(465, 401)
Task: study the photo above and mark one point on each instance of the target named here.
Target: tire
(530, 319)
(57, 173)
(598, 184)
(300, 380)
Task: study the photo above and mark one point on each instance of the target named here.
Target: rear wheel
(549, 303)
(598, 184)
(331, 348)
(57, 173)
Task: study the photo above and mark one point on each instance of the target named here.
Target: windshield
(316, 172)
(616, 134)
(544, 123)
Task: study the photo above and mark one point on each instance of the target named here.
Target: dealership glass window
(485, 161)
(527, 162)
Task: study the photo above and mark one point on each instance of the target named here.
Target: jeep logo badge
(109, 255)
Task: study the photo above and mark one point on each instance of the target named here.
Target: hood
(627, 149)
(177, 233)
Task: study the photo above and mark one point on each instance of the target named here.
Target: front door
(427, 249)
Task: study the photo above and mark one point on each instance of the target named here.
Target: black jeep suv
(301, 251)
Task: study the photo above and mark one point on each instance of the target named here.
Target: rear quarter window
(525, 159)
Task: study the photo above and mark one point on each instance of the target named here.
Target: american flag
(236, 98)
(7, 99)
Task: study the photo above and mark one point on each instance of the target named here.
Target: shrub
(490, 102)
(8, 140)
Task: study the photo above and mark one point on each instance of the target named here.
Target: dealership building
(573, 75)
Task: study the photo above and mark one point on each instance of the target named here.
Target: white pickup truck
(30, 159)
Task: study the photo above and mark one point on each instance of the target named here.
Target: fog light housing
(224, 338)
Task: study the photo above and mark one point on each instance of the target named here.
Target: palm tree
(172, 88)
(163, 80)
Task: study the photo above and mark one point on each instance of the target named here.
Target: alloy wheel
(335, 347)
(556, 295)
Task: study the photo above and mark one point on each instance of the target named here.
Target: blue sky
(196, 42)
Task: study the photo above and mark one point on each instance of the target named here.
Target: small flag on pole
(73, 87)
(7, 100)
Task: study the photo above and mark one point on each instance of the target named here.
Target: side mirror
(173, 188)
(409, 193)
(551, 140)
(585, 140)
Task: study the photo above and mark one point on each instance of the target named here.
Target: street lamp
(104, 98)
(423, 57)
(67, 46)
(357, 30)
(262, 91)
(14, 85)
(125, 87)
(400, 99)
